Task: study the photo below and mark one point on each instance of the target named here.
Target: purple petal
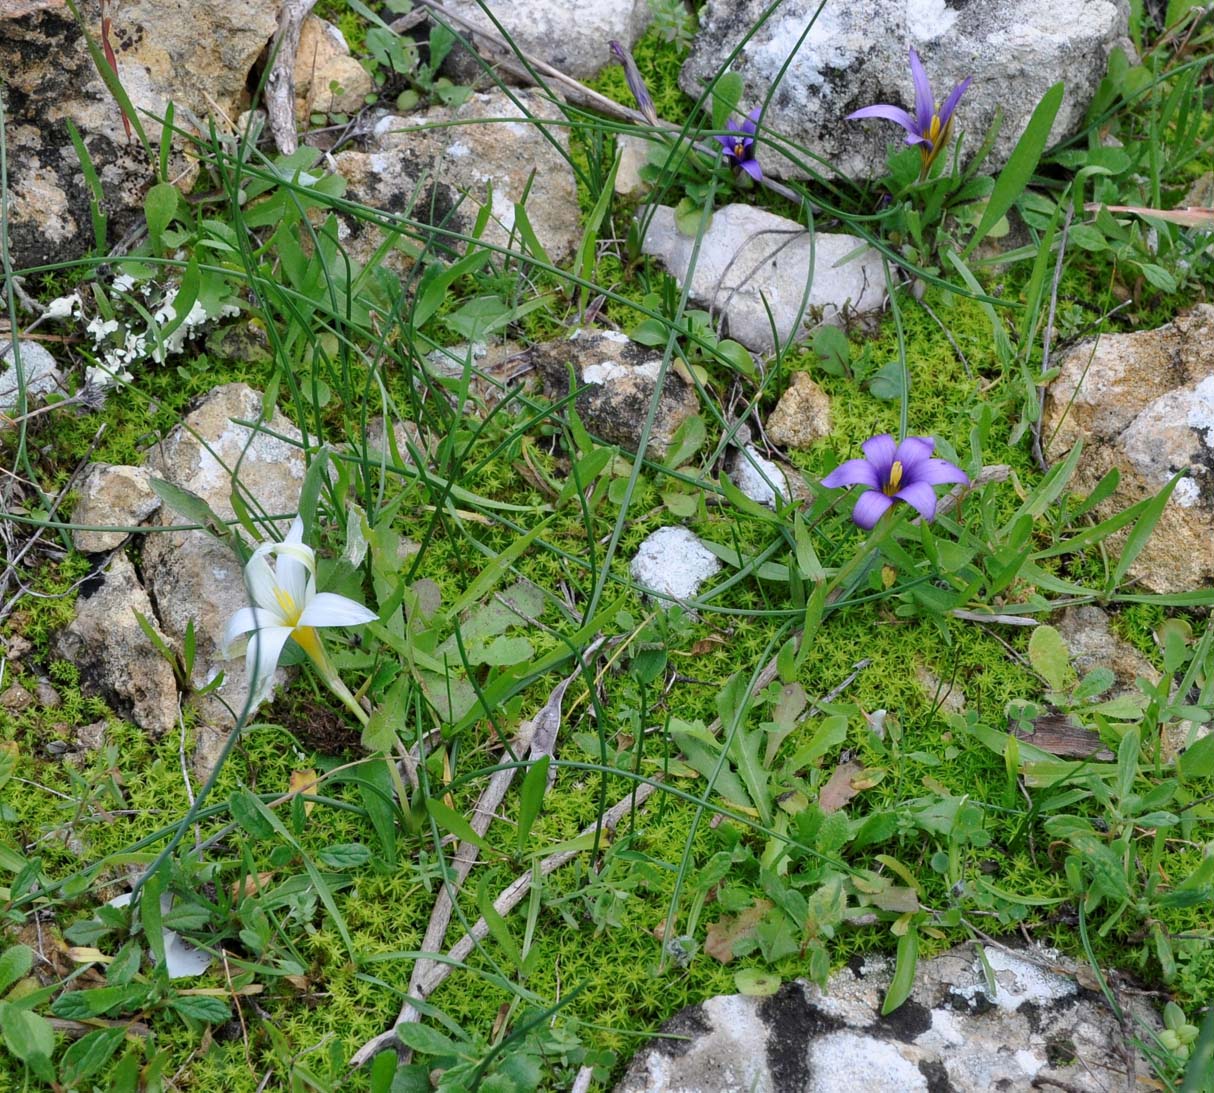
(726, 142)
(871, 505)
(921, 496)
(880, 451)
(888, 113)
(925, 103)
(935, 472)
(855, 472)
(950, 104)
(752, 168)
(751, 124)
(913, 450)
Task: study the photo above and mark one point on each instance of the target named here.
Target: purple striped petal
(871, 505)
(855, 472)
(935, 472)
(920, 496)
(914, 450)
(888, 113)
(950, 104)
(925, 103)
(880, 451)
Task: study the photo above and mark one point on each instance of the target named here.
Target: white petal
(263, 588)
(330, 609)
(295, 535)
(293, 579)
(265, 647)
(245, 620)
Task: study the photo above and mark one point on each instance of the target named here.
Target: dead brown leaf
(250, 885)
(1190, 216)
(304, 781)
(725, 932)
(839, 788)
(1059, 735)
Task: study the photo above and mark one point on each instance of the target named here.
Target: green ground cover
(319, 899)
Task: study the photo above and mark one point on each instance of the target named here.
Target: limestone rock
(750, 261)
(1092, 644)
(634, 154)
(855, 55)
(113, 496)
(197, 55)
(1040, 1025)
(801, 416)
(16, 699)
(758, 477)
(673, 563)
(442, 175)
(571, 37)
(617, 379)
(38, 369)
(115, 657)
(191, 575)
(1144, 403)
(323, 63)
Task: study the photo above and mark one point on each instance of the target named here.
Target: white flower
(287, 605)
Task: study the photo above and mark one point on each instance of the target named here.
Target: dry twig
(280, 83)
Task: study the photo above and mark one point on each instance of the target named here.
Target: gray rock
(327, 79)
(48, 697)
(115, 657)
(38, 368)
(198, 55)
(16, 699)
(190, 574)
(801, 416)
(673, 563)
(617, 381)
(855, 55)
(111, 496)
(1040, 1025)
(751, 261)
(437, 165)
(758, 478)
(1144, 403)
(571, 37)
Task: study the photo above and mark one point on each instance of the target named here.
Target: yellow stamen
(739, 150)
(935, 131)
(895, 479)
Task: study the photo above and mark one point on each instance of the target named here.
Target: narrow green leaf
(1018, 170)
(150, 917)
(1143, 528)
(309, 493)
(904, 972)
(531, 797)
(451, 821)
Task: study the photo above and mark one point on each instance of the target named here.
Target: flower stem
(308, 640)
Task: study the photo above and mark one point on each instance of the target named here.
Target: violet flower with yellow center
(287, 607)
(739, 144)
(927, 127)
(895, 472)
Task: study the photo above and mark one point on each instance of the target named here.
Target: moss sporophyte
(927, 127)
(287, 606)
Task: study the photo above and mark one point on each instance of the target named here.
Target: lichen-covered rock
(38, 370)
(192, 576)
(1039, 1028)
(758, 477)
(751, 262)
(801, 416)
(438, 166)
(673, 563)
(617, 379)
(571, 37)
(111, 496)
(196, 55)
(1144, 403)
(327, 79)
(114, 655)
(855, 54)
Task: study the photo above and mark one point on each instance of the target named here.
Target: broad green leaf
(426, 1040)
(201, 1007)
(726, 94)
(1050, 659)
(756, 983)
(449, 820)
(89, 1054)
(247, 813)
(344, 855)
(1015, 176)
(159, 208)
(15, 964)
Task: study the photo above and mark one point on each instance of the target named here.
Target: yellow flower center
(287, 605)
(935, 132)
(895, 479)
(739, 150)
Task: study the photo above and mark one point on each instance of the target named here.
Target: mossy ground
(595, 932)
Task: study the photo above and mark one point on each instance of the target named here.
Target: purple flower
(739, 144)
(904, 472)
(927, 127)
